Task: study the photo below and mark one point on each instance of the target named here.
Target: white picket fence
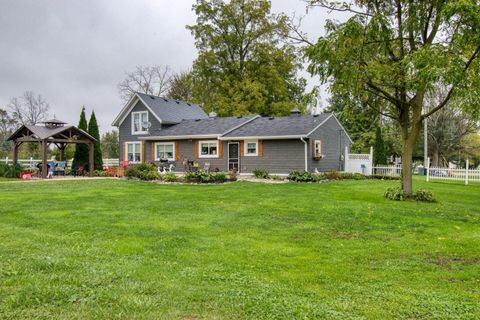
(27, 162)
(458, 174)
(359, 162)
(386, 170)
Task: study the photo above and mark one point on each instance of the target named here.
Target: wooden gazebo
(52, 132)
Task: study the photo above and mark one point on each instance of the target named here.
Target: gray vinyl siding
(334, 140)
(125, 131)
(279, 157)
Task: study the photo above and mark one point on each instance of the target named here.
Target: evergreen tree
(93, 131)
(81, 150)
(379, 150)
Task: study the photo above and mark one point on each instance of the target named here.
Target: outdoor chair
(61, 168)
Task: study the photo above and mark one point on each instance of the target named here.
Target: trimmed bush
(232, 175)
(202, 176)
(396, 194)
(143, 171)
(302, 176)
(100, 173)
(332, 175)
(260, 173)
(423, 195)
(170, 177)
(383, 177)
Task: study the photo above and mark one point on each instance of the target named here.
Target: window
(134, 152)
(208, 149)
(251, 148)
(165, 150)
(138, 121)
(317, 149)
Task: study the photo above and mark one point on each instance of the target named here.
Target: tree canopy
(399, 51)
(80, 158)
(244, 65)
(94, 132)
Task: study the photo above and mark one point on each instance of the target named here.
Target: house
(154, 129)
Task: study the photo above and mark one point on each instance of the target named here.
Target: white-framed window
(139, 118)
(165, 150)
(208, 149)
(134, 152)
(317, 149)
(251, 148)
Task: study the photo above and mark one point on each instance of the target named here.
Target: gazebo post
(15, 152)
(44, 159)
(62, 151)
(90, 159)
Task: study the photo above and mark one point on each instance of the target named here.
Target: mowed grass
(124, 249)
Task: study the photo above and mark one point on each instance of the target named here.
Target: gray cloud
(75, 52)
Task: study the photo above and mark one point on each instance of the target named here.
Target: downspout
(306, 153)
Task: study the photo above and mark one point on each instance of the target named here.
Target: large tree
(30, 108)
(110, 146)
(80, 158)
(181, 86)
(152, 80)
(94, 132)
(244, 64)
(7, 125)
(399, 51)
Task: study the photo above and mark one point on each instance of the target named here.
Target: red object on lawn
(125, 163)
(26, 174)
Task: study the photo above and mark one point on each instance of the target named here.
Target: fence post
(428, 169)
(466, 172)
(6, 160)
(371, 161)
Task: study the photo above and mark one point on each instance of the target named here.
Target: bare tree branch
(153, 80)
(29, 108)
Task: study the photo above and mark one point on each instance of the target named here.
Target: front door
(233, 156)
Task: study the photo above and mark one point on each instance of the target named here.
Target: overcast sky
(74, 53)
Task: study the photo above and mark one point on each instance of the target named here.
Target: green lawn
(124, 249)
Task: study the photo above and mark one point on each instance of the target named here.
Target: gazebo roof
(51, 133)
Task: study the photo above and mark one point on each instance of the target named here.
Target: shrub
(302, 176)
(396, 194)
(384, 177)
(143, 171)
(332, 175)
(10, 170)
(170, 177)
(424, 196)
(100, 173)
(202, 176)
(260, 173)
(275, 177)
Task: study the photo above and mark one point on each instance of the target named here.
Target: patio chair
(61, 168)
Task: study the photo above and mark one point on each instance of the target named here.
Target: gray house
(155, 129)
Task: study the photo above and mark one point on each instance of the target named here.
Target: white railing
(393, 171)
(27, 162)
(358, 163)
(458, 174)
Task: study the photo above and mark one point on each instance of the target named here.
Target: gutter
(306, 153)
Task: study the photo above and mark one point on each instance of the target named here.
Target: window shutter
(142, 152)
(220, 149)
(153, 151)
(176, 151)
(313, 149)
(260, 148)
(196, 149)
(241, 148)
(125, 151)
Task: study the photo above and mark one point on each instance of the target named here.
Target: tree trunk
(436, 157)
(407, 151)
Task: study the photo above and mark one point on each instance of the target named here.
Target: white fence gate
(359, 163)
(384, 170)
(448, 174)
(27, 162)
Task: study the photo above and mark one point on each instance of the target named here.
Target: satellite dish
(146, 125)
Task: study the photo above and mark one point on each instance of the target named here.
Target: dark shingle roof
(209, 126)
(279, 126)
(44, 132)
(172, 111)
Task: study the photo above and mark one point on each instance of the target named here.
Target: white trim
(128, 107)
(126, 151)
(193, 136)
(133, 124)
(263, 137)
(320, 154)
(209, 155)
(245, 148)
(164, 144)
(318, 126)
